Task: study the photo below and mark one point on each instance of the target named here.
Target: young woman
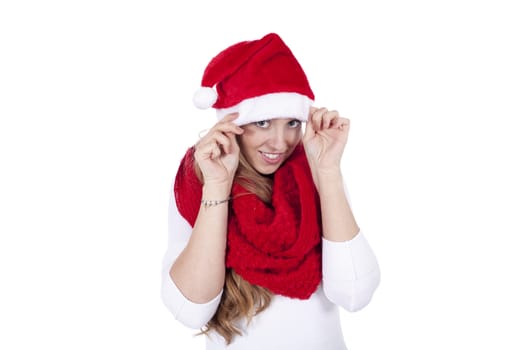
(263, 245)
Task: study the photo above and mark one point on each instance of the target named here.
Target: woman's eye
(294, 123)
(263, 124)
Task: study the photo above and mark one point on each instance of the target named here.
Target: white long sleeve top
(350, 277)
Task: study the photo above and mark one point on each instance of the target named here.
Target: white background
(96, 111)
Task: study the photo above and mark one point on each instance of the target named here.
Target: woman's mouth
(272, 158)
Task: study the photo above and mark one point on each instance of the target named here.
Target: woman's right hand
(217, 153)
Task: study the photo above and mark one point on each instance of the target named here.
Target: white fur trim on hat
(269, 106)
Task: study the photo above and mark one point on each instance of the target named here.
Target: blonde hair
(241, 299)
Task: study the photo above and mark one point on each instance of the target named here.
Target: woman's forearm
(338, 220)
(199, 270)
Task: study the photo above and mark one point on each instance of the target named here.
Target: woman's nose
(278, 139)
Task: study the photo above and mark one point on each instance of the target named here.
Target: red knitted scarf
(275, 246)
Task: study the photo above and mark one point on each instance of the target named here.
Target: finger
(227, 125)
(330, 118)
(229, 117)
(317, 118)
(215, 152)
(311, 111)
(308, 129)
(209, 137)
(234, 146)
(341, 123)
(221, 140)
(209, 150)
(230, 127)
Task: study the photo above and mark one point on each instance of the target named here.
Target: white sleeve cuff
(348, 260)
(350, 272)
(190, 314)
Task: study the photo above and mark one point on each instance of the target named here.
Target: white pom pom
(204, 97)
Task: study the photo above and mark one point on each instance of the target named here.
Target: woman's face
(268, 143)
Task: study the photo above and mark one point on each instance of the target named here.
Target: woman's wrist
(330, 179)
(216, 191)
(329, 174)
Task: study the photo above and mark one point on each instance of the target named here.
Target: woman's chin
(267, 169)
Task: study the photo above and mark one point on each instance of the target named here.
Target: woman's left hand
(324, 140)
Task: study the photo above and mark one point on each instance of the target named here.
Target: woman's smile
(272, 158)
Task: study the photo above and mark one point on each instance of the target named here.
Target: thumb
(309, 130)
(233, 141)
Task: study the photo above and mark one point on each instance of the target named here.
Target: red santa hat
(259, 79)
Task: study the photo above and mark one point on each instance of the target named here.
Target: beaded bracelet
(212, 203)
